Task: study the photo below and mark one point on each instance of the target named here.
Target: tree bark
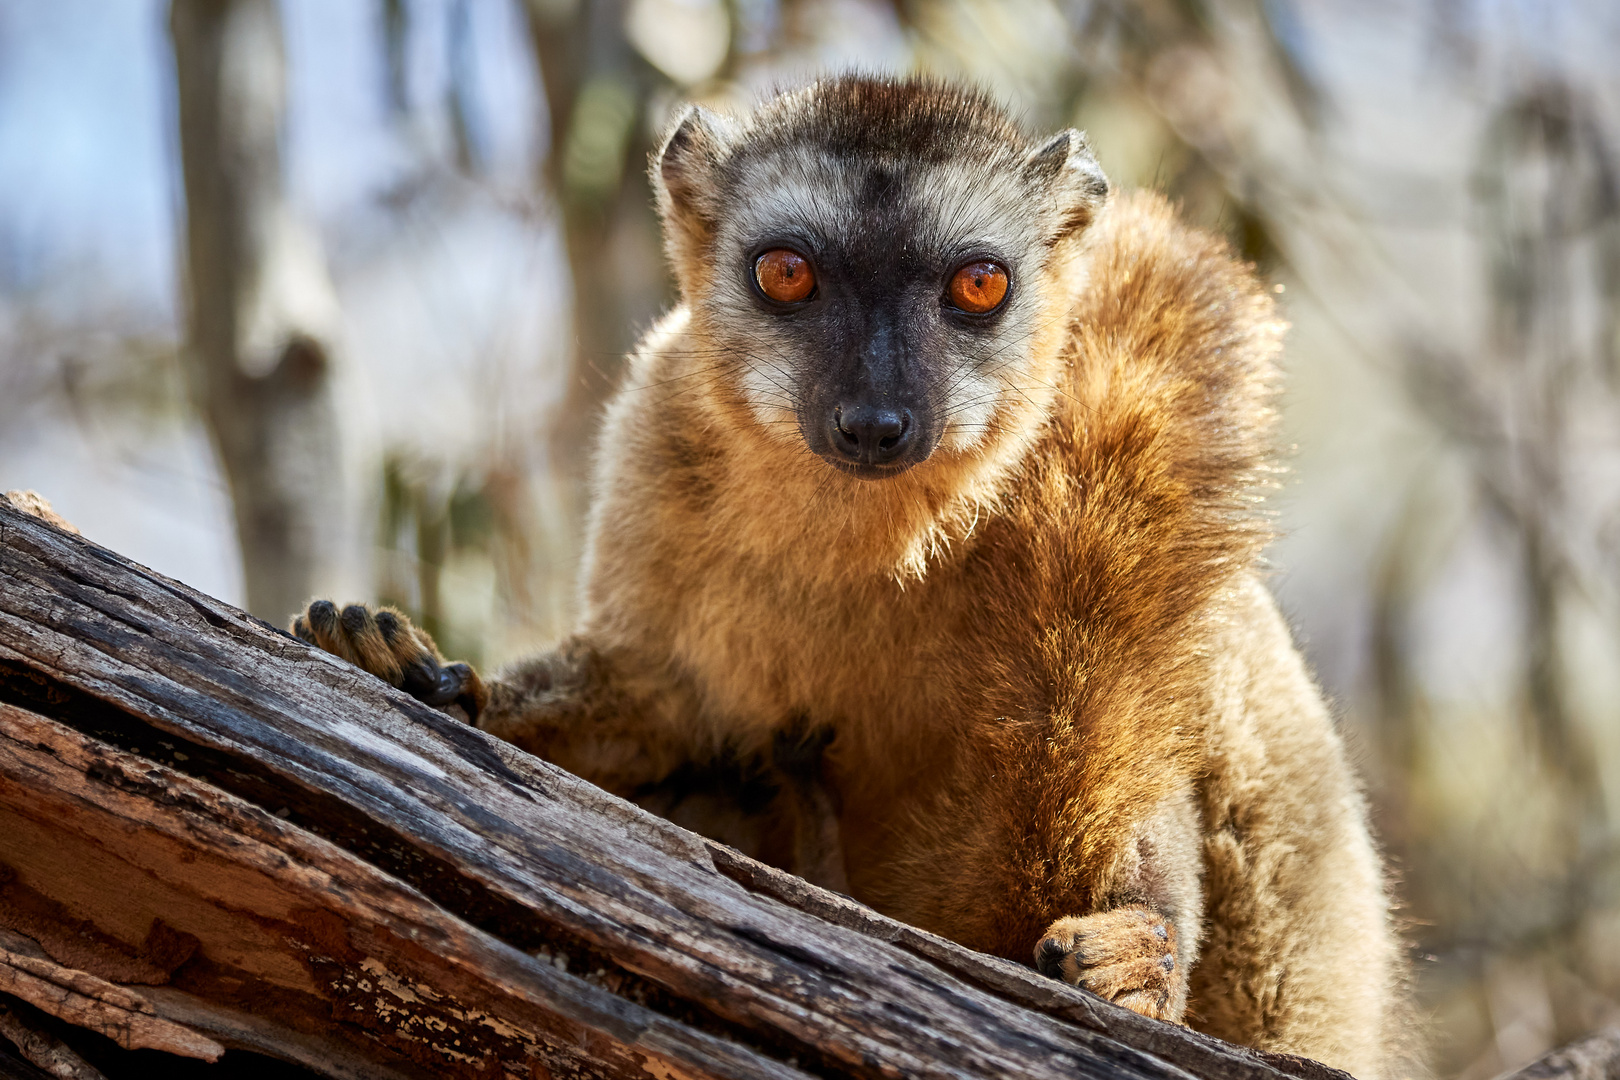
(214, 836)
(260, 307)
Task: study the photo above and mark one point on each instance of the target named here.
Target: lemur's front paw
(1126, 955)
(386, 644)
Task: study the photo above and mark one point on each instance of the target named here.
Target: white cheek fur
(767, 386)
(968, 410)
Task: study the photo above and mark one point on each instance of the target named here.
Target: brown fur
(1060, 711)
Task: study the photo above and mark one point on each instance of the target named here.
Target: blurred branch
(42, 1049)
(1125, 37)
(1595, 1057)
(1545, 193)
(459, 89)
(1396, 581)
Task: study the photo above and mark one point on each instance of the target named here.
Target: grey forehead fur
(939, 141)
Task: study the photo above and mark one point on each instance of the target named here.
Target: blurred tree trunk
(596, 90)
(1546, 186)
(259, 302)
(1397, 578)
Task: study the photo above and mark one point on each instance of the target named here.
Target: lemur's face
(875, 296)
(886, 306)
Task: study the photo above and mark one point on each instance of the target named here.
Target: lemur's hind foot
(1126, 955)
(386, 644)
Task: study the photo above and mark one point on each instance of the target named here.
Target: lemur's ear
(1064, 169)
(683, 171)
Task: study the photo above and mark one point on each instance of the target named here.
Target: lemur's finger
(470, 693)
(389, 624)
(405, 641)
(424, 673)
(323, 622)
(351, 634)
(417, 658)
(368, 643)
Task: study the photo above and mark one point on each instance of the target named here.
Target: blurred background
(310, 297)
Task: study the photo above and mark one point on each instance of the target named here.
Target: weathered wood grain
(13, 1066)
(304, 829)
(280, 924)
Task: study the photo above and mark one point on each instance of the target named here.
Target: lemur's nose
(870, 434)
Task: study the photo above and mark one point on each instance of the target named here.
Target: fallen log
(214, 838)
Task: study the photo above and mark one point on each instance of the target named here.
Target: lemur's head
(871, 261)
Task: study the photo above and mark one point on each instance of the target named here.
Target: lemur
(924, 560)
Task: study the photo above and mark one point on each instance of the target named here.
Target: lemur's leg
(1138, 950)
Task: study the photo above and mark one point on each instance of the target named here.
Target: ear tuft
(1046, 159)
(1065, 170)
(683, 171)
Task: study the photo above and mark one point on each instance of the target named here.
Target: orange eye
(784, 276)
(979, 287)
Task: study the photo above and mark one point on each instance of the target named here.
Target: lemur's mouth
(869, 472)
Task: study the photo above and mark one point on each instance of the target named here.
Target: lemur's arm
(618, 722)
(1138, 950)
(1015, 862)
(586, 710)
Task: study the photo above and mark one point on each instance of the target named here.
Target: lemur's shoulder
(1165, 414)
(1170, 327)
